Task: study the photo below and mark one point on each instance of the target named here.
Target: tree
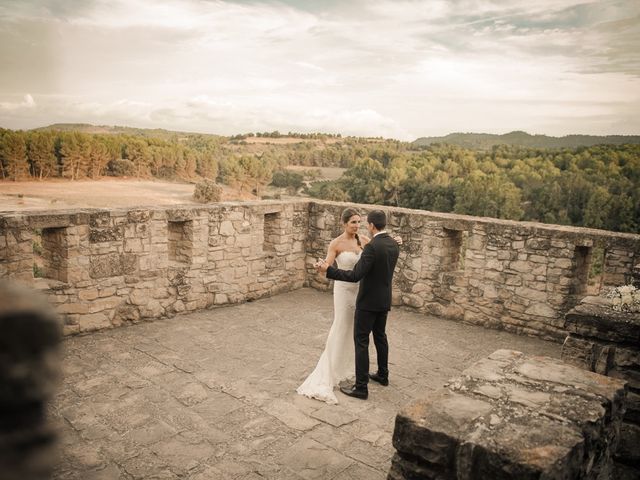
(208, 164)
(137, 151)
(256, 171)
(75, 152)
(364, 181)
(14, 156)
(98, 158)
(596, 211)
(42, 155)
(287, 178)
(333, 191)
(488, 196)
(396, 175)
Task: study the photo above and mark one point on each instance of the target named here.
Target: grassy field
(61, 194)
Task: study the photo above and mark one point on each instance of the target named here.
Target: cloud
(398, 68)
(27, 103)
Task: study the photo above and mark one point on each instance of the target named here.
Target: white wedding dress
(337, 361)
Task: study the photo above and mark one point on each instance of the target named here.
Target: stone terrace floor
(211, 395)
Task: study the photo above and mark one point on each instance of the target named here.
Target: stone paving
(211, 395)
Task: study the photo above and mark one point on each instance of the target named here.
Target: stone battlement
(101, 268)
(511, 416)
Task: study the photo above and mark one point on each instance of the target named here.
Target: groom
(374, 271)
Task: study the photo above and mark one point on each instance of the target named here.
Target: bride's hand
(398, 239)
(321, 266)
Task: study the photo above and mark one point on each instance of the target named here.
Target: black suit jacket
(374, 271)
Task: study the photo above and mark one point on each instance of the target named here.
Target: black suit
(374, 271)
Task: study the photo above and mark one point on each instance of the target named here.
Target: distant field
(61, 194)
(326, 173)
(289, 140)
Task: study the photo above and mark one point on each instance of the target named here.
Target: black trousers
(365, 323)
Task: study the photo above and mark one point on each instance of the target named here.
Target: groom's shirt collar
(379, 233)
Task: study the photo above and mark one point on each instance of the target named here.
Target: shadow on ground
(211, 395)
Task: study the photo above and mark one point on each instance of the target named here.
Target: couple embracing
(359, 308)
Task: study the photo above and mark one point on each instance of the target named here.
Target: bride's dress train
(337, 360)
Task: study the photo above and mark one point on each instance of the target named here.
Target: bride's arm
(332, 252)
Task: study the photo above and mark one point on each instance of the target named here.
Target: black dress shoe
(377, 378)
(353, 391)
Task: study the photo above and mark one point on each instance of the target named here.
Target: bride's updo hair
(347, 213)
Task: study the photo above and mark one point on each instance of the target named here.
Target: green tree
(137, 152)
(329, 190)
(364, 181)
(488, 196)
(75, 153)
(13, 151)
(98, 158)
(596, 211)
(42, 155)
(395, 177)
(257, 172)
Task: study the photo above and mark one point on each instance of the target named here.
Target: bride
(337, 360)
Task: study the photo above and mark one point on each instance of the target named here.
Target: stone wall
(101, 268)
(607, 342)
(106, 267)
(510, 416)
(518, 276)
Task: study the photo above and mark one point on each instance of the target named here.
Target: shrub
(121, 168)
(286, 178)
(207, 191)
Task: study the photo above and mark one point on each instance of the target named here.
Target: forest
(593, 186)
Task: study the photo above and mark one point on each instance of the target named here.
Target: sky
(392, 68)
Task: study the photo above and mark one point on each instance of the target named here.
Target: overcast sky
(391, 68)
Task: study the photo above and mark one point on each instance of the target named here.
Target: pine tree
(14, 156)
(41, 154)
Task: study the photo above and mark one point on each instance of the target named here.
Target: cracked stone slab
(313, 460)
(217, 405)
(334, 416)
(288, 414)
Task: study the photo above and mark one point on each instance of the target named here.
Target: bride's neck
(350, 236)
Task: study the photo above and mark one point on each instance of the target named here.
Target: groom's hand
(321, 266)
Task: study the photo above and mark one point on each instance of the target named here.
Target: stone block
(413, 300)
(628, 447)
(73, 308)
(542, 310)
(112, 265)
(604, 323)
(106, 234)
(511, 416)
(94, 321)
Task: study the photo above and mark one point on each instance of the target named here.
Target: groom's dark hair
(378, 218)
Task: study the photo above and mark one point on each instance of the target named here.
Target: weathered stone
(601, 322)
(332, 416)
(541, 310)
(413, 300)
(271, 247)
(110, 234)
(94, 321)
(534, 422)
(112, 265)
(628, 448)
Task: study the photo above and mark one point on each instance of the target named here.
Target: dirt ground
(61, 194)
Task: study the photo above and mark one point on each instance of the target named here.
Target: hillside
(117, 130)
(485, 141)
